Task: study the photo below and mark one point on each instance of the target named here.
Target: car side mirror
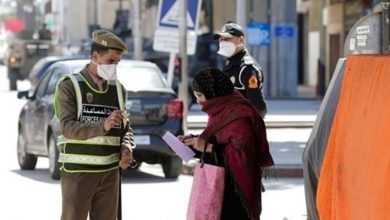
(24, 95)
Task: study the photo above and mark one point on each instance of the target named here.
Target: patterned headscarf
(212, 83)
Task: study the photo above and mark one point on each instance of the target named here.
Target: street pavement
(282, 113)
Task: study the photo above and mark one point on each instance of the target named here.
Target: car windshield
(38, 66)
(77, 68)
(135, 77)
(140, 78)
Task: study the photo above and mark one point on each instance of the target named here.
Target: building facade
(329, 24)
(305, 37)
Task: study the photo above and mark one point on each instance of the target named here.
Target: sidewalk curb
(285, 124)
(289, 170)
(281, 170)
(272, 121)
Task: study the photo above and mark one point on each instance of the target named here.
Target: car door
(30, 120)
(42, 110)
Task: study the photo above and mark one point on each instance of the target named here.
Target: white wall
(314, 54)
(71, 20)
(58, 19)
(303, 6)
(72, 17)
(107, 12)
(78, 20)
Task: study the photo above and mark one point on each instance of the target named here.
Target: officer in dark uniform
(241, 68)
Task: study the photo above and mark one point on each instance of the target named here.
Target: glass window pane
(141, 78)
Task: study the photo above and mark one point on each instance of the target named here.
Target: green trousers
(93, 193)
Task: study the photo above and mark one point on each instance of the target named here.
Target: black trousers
(232, 207)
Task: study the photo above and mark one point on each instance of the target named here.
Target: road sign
(166, 40)
(258, 34)
(284, 31)
(166, 36)
(168, 14)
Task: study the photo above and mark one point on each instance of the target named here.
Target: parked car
(154, 109)
(44, 63)
(161, 59)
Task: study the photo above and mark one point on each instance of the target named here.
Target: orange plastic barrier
(355, 177)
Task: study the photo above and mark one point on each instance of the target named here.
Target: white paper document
(183, 151)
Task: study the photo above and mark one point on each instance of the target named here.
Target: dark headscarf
(212, 83)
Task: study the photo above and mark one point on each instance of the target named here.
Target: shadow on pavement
(282, 183)
(129, 176)
(138, 176)
(287, 152)
(41, 175)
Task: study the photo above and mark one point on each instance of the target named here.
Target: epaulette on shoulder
(248, 60)
(67, 76)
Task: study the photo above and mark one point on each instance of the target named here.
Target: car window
(141, 78)
(57, 73)
(37, 67)
(40, 91)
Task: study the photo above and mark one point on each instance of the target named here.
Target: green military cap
(109, 40)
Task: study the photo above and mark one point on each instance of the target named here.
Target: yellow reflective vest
(98, 154)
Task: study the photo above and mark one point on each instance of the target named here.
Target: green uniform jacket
(74, 129)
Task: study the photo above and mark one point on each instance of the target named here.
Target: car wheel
(172, 167)
(139, 163)
(54, 166)
(26, 161)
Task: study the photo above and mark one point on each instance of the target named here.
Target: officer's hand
(115, 119)
(126, 158)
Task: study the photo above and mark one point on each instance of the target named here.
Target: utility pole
(322, 59)
(241, 14)
(283, 61)
(120, 5)
(269, 56)
(95, 16)
(261, 12)
(137, 30)
(210, 15)
(183, 87)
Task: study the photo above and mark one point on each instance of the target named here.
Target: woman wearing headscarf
(236, 134)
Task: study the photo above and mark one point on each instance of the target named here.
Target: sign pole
(177, 24)
(241, 13)
(137, 30)
(171, 66)
(183, 88)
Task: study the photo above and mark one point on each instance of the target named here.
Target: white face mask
(227, 48)
(106, 71)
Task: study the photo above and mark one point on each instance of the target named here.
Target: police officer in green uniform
(241, 68)
(96, 135)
